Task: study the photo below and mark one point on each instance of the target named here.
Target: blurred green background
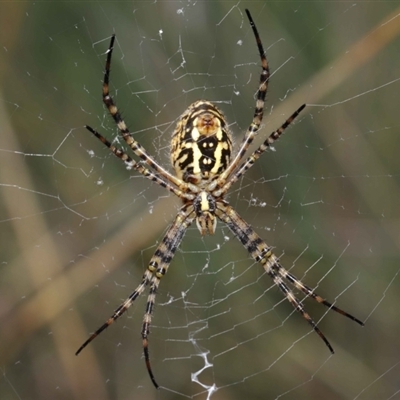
(77, 229)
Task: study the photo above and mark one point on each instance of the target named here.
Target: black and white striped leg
(121, 309)
(156, 269)
(263, 254)
(131, 163)
(257, 153)
(136, 147)
(258, 111)
(160, 263)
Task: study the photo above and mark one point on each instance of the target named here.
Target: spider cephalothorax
(204, 206)
(204, 172)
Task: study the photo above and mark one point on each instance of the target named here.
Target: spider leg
(156, 269)
(140, 167)
(146, 329)
(310, 292)
(127, 136)
(297, 305)
(263, 254)
(121, 309)
(159, 264)
(275, 135)
(259, 109)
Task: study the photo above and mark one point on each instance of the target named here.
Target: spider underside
(201, 150)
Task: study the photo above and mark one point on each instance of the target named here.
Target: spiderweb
(78, 229)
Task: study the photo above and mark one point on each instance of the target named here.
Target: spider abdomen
(201, 144)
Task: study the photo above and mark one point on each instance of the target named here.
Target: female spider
(204, 172)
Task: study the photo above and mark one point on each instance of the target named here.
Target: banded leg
(309, 292)
(262, 253)
(159, 264)
(259, 109)
(122, 308)
(156, 269)
(139, 167)
(130, 141)
(257, 153)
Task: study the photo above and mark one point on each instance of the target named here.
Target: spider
(201, 150)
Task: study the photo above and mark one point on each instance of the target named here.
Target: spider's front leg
(263, 254)
(156, 269)
(159, 263)
(121, 309)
